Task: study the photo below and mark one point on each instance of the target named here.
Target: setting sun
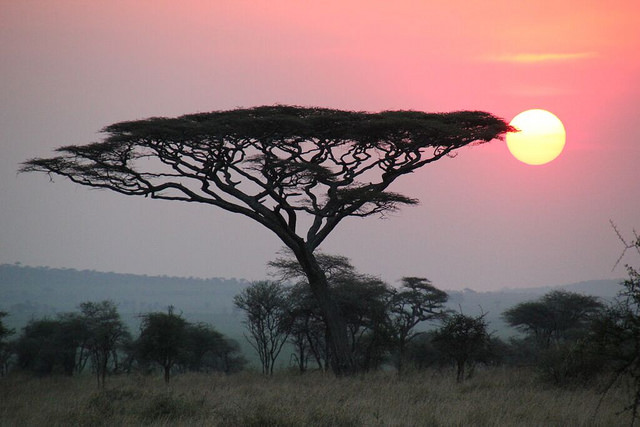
(540, 139)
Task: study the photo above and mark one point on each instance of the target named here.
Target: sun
(540, 139)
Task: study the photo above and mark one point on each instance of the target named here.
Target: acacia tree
(106, 332)
(416, 301)
(275, 165)
(209, 350)
(555, 317)
(463, 339)
(268, 320)
(48, 345)
(162, 339)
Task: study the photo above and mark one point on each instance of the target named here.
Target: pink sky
(486, 220)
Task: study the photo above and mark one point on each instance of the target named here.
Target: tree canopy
(162, 339)
(273, 163)
(553, 317)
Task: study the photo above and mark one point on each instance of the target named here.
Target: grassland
(496, 397)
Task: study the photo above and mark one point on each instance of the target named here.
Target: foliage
(207, 350)
(416, 301)
(267, 320)
(105, 334)
(363, 300)
(464, 340)
(171, 342)
(557, 327)
(162, 340)
(277, 165)
(558, 316)
(68, 342)
(37, 348)
(50, 345)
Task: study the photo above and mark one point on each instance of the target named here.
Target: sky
(486, 221)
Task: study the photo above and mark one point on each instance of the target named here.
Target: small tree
(463, 339)
(163, 340)
(267, 320)
(106, 333)
(209, 350)
(416, 301)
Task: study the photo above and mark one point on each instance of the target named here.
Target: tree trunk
(341, 359)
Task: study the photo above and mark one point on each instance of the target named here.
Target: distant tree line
(97, 339)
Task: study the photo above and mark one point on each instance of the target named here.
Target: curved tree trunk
(341, 358)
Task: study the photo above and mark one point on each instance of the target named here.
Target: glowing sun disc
(541, 137)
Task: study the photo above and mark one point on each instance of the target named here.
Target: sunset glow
(69, 68)
(540, 137)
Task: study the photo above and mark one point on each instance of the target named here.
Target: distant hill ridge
(27, 292)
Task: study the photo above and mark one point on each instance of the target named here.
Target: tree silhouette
(416, 301)
(276, 165)
(53, 345)
(267, 319)
(106, 333)
(208, 350)
(463, 339)
(555, 317)
(361, 300)
(162, 340)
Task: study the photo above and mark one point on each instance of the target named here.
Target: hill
(27, 292)
(32, 292)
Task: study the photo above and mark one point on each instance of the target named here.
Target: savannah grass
(494, 397)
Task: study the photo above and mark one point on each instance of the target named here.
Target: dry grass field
(496, 397)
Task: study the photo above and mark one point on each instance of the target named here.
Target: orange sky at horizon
(70, 67)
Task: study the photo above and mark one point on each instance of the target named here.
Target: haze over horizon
(486, 221)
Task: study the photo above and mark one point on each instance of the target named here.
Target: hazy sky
(486, 221)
